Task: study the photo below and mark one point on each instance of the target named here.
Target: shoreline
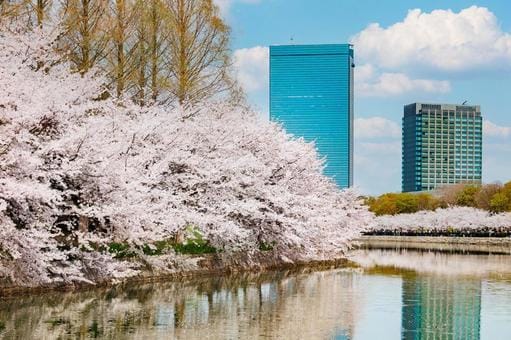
(440, 239)
(211, 265)
(494, 233)
(477, 245)
(211, 269)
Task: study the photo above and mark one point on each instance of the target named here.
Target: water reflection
(434, 262)
(390, 298)
(277, 306)
(441, 308)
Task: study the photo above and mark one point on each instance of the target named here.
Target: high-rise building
(442, 145)
(311, 94)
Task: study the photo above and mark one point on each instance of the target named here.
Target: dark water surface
(395, 294)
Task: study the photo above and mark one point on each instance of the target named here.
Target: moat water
(391, 294)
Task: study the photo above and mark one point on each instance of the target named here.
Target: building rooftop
(444, 106)
(276, 50)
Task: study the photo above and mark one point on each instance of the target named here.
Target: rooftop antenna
(464, 102)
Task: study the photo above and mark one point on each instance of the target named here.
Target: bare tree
(20, 9)
(140, 52)
(120, 56)
(151, 35)
(157, 47)
(85, 35)
(6, 9)
(153, 51)
(40, 9)
(198, 57)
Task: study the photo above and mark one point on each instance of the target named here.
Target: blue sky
(405, 51)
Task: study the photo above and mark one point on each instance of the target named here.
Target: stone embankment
(487, 245)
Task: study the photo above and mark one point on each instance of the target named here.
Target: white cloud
(494, 130)
(496, 162)
(390, 148)
(442, 40)
(252, 67)
(364, 73)
(369, 83)
(377, 167)
(225, 5)
(376, 127)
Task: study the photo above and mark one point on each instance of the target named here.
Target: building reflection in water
(442, 292)
(440, 307)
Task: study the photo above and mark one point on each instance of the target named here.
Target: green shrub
(406, 203)
(400, 203)
(491, 197)
(194, 243)
(485, 194)
(157, 248)
(500, 203)
(426, 201)
(263, 246)
(384, 205)
(121, 250)
(194, 249)
(467, 196)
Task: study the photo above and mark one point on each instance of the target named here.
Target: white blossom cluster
(454, 218)
(78, 171)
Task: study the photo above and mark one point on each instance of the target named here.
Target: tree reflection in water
(439, 296)
(313, 306)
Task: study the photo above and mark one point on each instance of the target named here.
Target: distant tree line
(154, 51)
(495, 198)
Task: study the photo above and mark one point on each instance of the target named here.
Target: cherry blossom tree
(79, 172)
(463, 219)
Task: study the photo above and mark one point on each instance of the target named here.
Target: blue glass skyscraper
(311, 94)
